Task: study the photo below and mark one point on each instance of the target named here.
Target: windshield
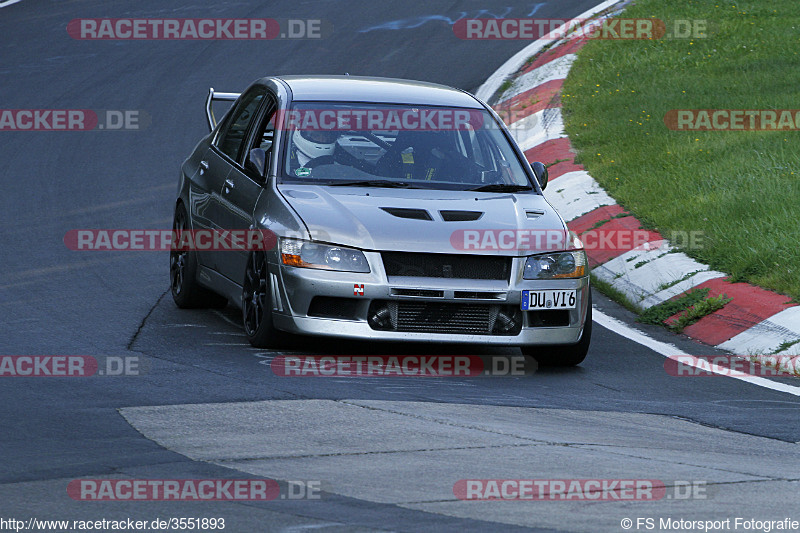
(380, 145)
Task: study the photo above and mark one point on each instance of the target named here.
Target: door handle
(204, 164)
(229, 184)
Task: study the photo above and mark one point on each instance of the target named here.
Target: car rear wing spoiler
(212, 96)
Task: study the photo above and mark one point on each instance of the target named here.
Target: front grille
(450, 318)
(419, 293)
(330, 307)
(478, 295)
(420, 265)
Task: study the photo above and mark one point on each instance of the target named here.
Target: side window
(233, 132)
(265, 134)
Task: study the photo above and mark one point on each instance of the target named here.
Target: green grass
(785, 346)
(612, 292)
(689, 307)
(657, 314)
(674, 282)
(698, 311)
(741, 188)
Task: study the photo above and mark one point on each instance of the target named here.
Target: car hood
(390, 219)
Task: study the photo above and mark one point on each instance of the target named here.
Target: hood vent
(402, 212)
(532, 215)
(460, 216)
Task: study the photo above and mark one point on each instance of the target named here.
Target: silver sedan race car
(391, 210)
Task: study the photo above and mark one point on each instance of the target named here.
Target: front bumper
(294, 289)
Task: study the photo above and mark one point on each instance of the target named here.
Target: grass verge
(689, 308)
(740, 188)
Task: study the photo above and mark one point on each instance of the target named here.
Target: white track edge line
(668, 350)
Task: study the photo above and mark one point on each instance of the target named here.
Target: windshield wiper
(374, 183)
(501, 187)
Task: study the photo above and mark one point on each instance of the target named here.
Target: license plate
(536, 300)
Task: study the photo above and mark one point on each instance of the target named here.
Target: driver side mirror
(256, 162)
(540, 171)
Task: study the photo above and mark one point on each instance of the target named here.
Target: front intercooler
(449, 318)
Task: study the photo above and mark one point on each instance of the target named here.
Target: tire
(257, 304)
(564, 355)
(187, 293)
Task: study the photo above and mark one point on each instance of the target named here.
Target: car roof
(377, 90)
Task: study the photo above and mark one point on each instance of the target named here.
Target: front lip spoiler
(360, 330)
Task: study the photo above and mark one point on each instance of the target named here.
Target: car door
(204, 199)
(243, 186)
(220, 162)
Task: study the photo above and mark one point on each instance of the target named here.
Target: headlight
(559, 265)
(306, 254)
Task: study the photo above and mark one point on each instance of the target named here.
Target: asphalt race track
(386, 451)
